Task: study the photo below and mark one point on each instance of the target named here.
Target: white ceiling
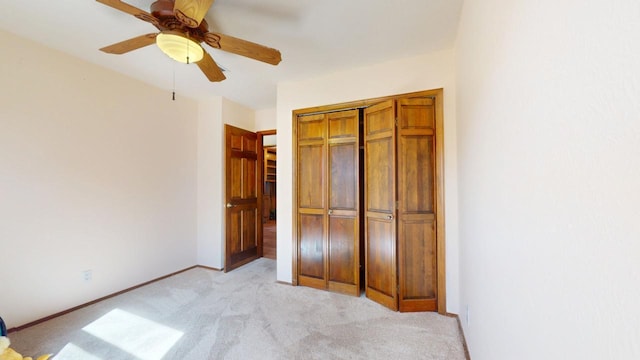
(314, 37)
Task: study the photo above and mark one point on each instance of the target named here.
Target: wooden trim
(262, 180)
(438, 94)
(294, 198)
(209, 268)
(64, 312)
(464, 340)
(266, 132)
(362, 103)
(260, 193)
(440, 232)
(326, 180)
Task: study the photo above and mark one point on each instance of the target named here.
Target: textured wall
(210, 183)
(97, 172)
(549, 167)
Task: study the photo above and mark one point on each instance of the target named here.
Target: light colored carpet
(244, 314)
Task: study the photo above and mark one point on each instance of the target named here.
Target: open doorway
(269, 213)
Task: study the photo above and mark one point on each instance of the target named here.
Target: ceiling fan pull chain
(174, 83)
(187, 53)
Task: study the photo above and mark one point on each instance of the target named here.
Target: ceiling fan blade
(191, 12)
(243, 47)
(131, 44)
(132, 10)
(210, 68)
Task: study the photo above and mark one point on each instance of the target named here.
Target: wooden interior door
(312, 207)
(380, 204)
(343, 263)
(243, 197)
(416, 147)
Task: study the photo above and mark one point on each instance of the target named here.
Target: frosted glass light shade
(179, 47)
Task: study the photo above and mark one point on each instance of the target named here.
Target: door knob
(330, 212)
(389, 217)
(230, 205)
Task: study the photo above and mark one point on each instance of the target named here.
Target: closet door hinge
(397, 205)
(396, 122)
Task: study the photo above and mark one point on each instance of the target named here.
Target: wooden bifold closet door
(380, 204)
(416, 147)
(400, 204)
(328, 202)
(400, 192)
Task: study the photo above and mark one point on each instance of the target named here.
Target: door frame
(437, 94)
(261, 134)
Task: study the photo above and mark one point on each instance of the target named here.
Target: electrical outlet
(87, 275)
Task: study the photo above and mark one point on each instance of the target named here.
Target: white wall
(212, 115)
(405, 75)
(238, 115)
(549, 164)
(266, 119)
(210, 183)
(97, 171)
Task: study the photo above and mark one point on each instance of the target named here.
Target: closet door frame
(437, 95)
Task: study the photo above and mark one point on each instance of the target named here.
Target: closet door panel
(419, 259)
(416, 165)
(381, 265)
(379, 169)
(343, 124)
(343, 253)
(380, 254)
(380, 204)
(379, 119)
(343, 164)
(311, 176)
(417, 268)
(311, 128)
(311, 246)
(416, 113)
(311, 185)
(343, 266)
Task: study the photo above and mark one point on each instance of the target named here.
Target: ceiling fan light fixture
(179, 47)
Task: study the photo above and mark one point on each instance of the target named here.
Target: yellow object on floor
(7, 353)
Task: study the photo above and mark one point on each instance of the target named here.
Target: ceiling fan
(182, 30)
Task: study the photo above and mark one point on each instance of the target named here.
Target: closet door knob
(389, 217)
(330, 212)
(230, 205)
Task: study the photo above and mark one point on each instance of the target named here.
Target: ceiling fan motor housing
(162, 8)
(163, 11)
